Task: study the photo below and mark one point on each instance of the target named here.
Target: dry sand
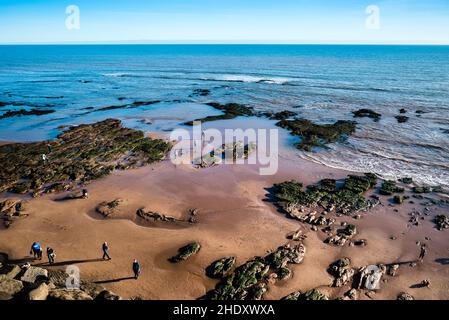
(234, 219)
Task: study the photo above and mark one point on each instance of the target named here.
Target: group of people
(37, 251)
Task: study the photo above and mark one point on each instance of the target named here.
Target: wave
(246, 79)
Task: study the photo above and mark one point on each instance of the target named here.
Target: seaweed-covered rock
(406, 180)
(313, 294)
(200, 93)
(367, 113)
(186, 252)
(220, 268)
(286, 254)
(283, 115)
(108, 209)
(230, 111)
(346, 199)
(154, 216)
(317, 135)
(389, 187)
(80, 154)
(442, 222)
(421, 190)
(398, 199)
(342, 271)
(293, 296)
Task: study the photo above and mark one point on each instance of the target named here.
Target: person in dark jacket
(105, 248)
(51, 255)
(136, 269)
(422, 253)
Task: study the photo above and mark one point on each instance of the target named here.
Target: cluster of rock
(342, 236)
(80, 154)
(11, 210)
(250, 281)
(442, 222)
(346, 199)
(342, 271)
(317, 135)
(186, 252)
(313, 294)
(25, 282)
(220, 268)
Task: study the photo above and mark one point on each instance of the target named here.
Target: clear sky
(231, 21)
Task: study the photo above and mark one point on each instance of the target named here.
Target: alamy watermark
(373, 20)
(72, 282)
(73, 19)
(236, 146)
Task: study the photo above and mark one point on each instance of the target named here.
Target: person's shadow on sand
(114, 280)
(69, 262)
(443, 261)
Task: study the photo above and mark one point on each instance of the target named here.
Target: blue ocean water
(322, 83)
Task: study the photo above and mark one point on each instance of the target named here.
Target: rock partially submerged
(186, 252)
(367, 113)
(81, 154)
(220, 268)
(317, 135)
(402, 119)
(23, 112)
(230, 111)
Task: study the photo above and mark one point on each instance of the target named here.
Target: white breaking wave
(247, 78)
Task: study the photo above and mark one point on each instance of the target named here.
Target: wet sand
(234, 219)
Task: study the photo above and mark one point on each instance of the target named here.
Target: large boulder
(220, 268)
(40, 293)
(9, 286)
(10, 270)
(108, 209)
(186, 252)
(33, 274)
(342, 271)
(371, 276)
(66, 294)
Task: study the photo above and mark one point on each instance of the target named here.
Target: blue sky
(234, 21)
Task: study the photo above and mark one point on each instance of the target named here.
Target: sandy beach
(235, 218)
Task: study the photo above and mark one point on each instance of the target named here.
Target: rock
(404, 296)
(314, 294)
(9, 286)
(108, 209)
(40, 293)
(398, 199)
(284, 273)
(34, 274)
(343, 236)
(23, 112)
(78, 155)
(286, 254)
(220, 268)
(371, 276)
(402, 111)
(352, 294)
(293, 296)
(317, 135)
(154, 216)
(342, 271)
(10, 271)
(296, 235)
(66, 294)
(230, 111)
(283, 115)
(393, 269)
(426, 283)
(402, 119)
(420, 190)
(186, 252)
(406, 180)
(108, 296)
(442, 222)
(367, 113)
(389, 188)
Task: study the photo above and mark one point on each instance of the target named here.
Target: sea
(157, 87)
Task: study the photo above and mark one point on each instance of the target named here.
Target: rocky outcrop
(342, 271)
(220, 268)
(230, 111)
(11, 210)
(66, 294)
(367, 113)
(250, 281)
(186, 252)
(155, 216)
(389, 187)
(109, 209)
(442, 222)
(34, 274)
(343, 236)
(80, 154)
(370, 277)
(40, 293)
(10, 287)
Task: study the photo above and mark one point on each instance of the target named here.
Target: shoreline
(234, 219)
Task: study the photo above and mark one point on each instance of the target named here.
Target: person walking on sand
(36, 250)
(422, 253)
(105, 248)
(51, 255)
(136, 269)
